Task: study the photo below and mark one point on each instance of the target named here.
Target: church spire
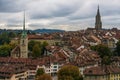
(24, 41)
(98, 23)
(24, 34)
(24, 22)
(98, 12)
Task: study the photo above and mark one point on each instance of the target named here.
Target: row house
(29, 64)
(108, 72)
(13, 72)
(86, 59)
(55, 60)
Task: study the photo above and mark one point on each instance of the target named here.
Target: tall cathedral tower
(98, 23)
(24, 42)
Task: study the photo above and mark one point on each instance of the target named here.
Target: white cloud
(58, 14)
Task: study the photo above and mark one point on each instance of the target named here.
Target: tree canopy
(117, 50)
(44, 77)
(37, 48)
(69, 72)
(104, 52)
(4, 38)
(36, 51)
(40, 71)
(5, 50)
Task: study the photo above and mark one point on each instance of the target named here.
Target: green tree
(40, 71)
(69, 72)
(117, 49)
(106, 60)
(43, 49)
(4, 38)
(104, 52)
(12, 34)
(44, 77)
(31, 44)
(36, 51)
(56, 43)
(5, 50)
(40, 45)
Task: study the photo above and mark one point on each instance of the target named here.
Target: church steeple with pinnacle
(24, 42)
(98, 23)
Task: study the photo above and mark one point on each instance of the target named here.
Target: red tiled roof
(102, 70)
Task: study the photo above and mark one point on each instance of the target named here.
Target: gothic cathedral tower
(24, 42)
(98, 23)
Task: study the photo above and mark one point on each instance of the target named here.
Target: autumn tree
(44, 77)
(13, 44)
(69, 72)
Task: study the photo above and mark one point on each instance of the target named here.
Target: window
(54, 69)
(55, 66)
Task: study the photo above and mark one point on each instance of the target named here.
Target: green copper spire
(24, 32)
(24, 22)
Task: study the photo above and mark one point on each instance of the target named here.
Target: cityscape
(47, 40)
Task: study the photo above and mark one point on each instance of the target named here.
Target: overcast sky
(58, 14)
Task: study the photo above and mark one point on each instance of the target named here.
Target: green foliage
(106, 60)
(13, 44)
(44, 44)
(12, 34)
(44, 77)
(117, 50)
(104, 52)
(36, 51)
(40, 71)
(40, 50)
(31, 44)
(56, 43)
(69, 72)
(5, 50)
(4, 38)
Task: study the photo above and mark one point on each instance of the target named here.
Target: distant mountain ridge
(33, 31)
(47, 30)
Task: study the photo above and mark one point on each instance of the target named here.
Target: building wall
(19, 76)
(52, 69)
(114, 77)
(24, 47)
(82, 68)
(104, 77)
